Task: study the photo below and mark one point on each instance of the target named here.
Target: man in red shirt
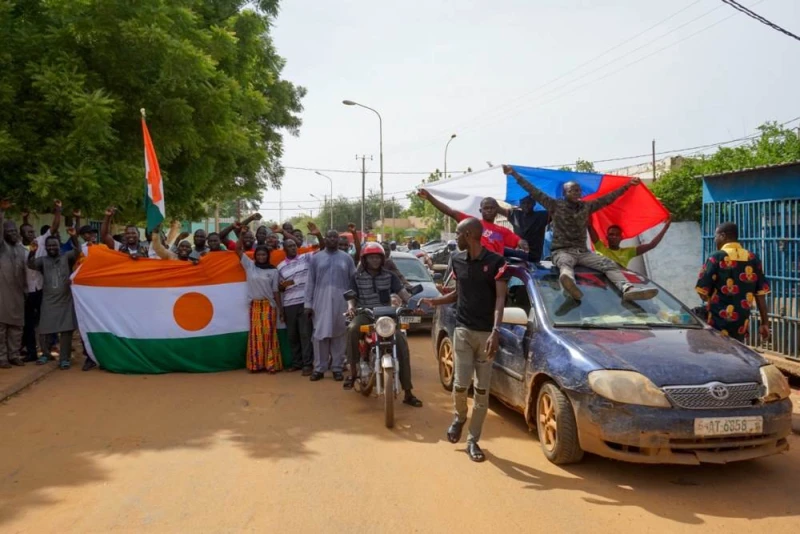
(495, 238)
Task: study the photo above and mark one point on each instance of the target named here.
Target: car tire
(555, 423)
(446, 358)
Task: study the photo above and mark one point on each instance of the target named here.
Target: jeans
(10, 341)
(298, 327)
(403, 355)
(472, 360)
(33, 308)
(567, 258)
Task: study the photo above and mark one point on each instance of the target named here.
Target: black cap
(86, 229)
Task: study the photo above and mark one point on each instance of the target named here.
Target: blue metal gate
(771, 229)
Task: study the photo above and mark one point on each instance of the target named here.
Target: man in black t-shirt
(481, 287)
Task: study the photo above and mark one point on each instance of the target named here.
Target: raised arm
(56, 224)
(314, 230)
(505, 212)
(646, 247)
(158, 246)
(239, 248)
(105, 228)
(609, 198)
(32, 263)
(438, 204)
(545, 200)
(593, 233)
(356, 241)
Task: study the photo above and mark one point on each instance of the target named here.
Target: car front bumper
(666, 435)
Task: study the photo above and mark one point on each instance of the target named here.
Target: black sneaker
(315, 377)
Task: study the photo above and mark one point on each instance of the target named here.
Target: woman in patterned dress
(263, 349)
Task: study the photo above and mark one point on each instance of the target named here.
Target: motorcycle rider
(374, 286)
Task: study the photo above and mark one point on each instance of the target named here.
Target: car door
(508, 375)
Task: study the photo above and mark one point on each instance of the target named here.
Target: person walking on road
(329, 275)
(293, 273)
(12, 292)
(732, 283)
(480, 295)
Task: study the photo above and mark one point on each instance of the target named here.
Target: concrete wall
(674, 263)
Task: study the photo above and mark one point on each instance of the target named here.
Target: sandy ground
(234, 452)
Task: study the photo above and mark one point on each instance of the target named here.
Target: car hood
(429, 290)
(669, 356)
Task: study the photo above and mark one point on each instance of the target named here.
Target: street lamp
(380, 128)
(445, 171)
(331, 197)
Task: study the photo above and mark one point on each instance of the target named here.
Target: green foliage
(76, 73)
(421, 208)
(581, 165)
(346, 211)
(681, 190)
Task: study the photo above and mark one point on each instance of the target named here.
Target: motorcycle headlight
(775, 384)
(627, 387)
(385, 327)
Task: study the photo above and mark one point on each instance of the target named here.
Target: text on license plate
(410, 319)
(725, 426)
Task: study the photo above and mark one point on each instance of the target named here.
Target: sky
(527, 82)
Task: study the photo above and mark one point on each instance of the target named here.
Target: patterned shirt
(569, 219)
(296, 270)
(375, 290)
(731, 279)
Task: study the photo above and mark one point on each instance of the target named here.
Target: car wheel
(555, 422)
(446, 364)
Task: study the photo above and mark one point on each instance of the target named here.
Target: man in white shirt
(293, 273)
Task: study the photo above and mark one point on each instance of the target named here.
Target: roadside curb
(26, 380)
(789, 367)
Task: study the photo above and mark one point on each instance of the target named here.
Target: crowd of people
(304, 287)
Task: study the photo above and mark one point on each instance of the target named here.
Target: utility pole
(364, 191)
(394, 222)
(280, 206)
(216, 217)
(654, 160)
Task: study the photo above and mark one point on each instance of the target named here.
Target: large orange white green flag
(159, 316)
(154, 187)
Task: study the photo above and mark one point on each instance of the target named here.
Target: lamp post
(331, 197)
(321, 202)
(380, 130)
(445, 171)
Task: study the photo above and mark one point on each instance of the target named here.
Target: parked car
(415, 272)
(640, 381)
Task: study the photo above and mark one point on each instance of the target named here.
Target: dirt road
(233, 452)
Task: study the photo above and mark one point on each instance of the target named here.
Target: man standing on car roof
(481, 287)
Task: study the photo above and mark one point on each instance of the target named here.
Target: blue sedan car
(639, 381)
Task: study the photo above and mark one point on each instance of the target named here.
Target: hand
(282, 317)
(276, 229)
(110, 211)
(491, 344)
(763, 331)
(309, 313)
(5, 204)
(57, 204)
(72, 232)
(76, 213)
(350, 313)
(508, 169)
(523, 245)
(427, 302)
(312, 227)
(182, 236)
(423, 194)
(636, 181)
(33, 247)
(286, 284)
(257, 216)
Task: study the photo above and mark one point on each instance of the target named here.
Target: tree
(581, 165)
(75, 75)
(347, 211)
(681, 189)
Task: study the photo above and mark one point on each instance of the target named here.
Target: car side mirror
(350, 295)
(515, 316)
(417, 289)
(437, 277)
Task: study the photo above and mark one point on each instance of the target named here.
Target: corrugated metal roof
(753, 169)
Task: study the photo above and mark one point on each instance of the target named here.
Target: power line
(350, 171)
(759, 18)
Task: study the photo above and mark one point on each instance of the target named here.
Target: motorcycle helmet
(372, 248)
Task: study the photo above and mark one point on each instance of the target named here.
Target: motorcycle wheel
(388, 397)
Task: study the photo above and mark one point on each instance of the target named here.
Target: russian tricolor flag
(634, 212)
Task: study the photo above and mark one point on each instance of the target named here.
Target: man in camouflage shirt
(570, 216)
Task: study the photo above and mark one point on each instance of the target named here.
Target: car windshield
(413, 270)
(602, 305)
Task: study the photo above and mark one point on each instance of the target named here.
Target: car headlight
(627, 387)
(776, 385)
(385, 327)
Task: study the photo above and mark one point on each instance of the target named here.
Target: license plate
(726, 426)
(410, 319)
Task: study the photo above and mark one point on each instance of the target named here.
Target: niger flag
(154, 187)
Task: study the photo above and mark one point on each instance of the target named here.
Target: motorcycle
(378, 364)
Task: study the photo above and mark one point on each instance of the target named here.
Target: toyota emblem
(718, 391)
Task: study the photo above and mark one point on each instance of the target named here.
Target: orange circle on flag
(193, 311)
